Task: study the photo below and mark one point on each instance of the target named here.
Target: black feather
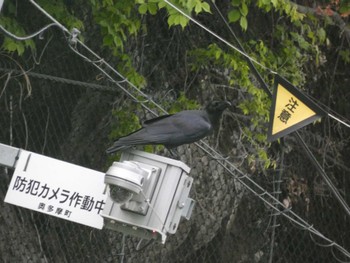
(174, 130)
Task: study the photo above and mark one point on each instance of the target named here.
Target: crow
(173, 130)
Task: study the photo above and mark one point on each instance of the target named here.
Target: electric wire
(299, 138)
(339, 120)
(263, 84)
(225, 163)
(103, 62)
(57, 79)
(242, 51)
(13, 36)
(219, 37)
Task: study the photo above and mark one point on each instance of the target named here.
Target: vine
(289, 52)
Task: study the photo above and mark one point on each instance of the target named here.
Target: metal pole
(9, 155)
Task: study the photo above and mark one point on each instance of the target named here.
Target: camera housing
(124, 180)
(147, 195)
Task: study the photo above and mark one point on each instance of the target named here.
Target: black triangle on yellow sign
(290, 110)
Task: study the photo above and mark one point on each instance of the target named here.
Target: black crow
(175, 129)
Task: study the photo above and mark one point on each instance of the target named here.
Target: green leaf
(244, 9)
(171, 20)
(321, 33)
(235, 2)
(191, 4)
(183, 21)
(162, 4)
(274, 3)
(198, 8)
(345, 55)
(206, 7)
(243, 23)
(143, 9)
(217, 54)
(344, 7)
(234, 15)
(152, 8)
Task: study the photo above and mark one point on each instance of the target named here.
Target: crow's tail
(115, 148)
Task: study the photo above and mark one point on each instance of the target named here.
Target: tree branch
(337, 19)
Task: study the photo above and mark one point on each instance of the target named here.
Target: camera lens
(120, 195)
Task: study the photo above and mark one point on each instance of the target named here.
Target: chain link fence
(62, 107)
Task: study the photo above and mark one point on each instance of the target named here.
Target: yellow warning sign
(290, 110)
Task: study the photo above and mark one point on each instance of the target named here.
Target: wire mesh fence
(61, 107)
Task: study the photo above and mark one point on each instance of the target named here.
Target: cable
(263, 195)
(13, 36)
(301, 141)
(345, 121)
(324, 175)
(59, 79)
(220, 38)
(255, 71)
(154, 211)
(337, 119)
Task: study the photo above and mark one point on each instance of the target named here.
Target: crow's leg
(174, 153)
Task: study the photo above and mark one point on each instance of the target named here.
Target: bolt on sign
(290, 110)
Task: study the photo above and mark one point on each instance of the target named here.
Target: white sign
(58, 189)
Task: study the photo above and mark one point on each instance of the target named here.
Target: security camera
(124, 180)
(147, 195)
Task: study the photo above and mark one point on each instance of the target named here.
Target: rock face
(84, 143)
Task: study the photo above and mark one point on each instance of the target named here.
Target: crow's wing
(150, 121)
(174, 130)
(180, 128)
(194, 125)
(171, 130)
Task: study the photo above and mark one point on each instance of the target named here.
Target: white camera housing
(124, 180)
(147, 195)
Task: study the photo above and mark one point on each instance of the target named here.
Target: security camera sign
(58, 189)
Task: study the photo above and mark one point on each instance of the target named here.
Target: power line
(59, 79)
(243, 178)
(240, 50)
(339, 120)
(19, 38)
(219, 37)
(299, 138)
(301, 141)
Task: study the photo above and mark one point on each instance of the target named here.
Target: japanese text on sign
(58, 188)
(288, 110)
(64, 196)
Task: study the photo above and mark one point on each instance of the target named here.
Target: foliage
(291, 50)
(11, 45)
(13, 23)
(60, 11)
(282, 7)
(125, 121)
(118, 21)
(239, 12)
(330, 6)
(296, 42)
(182, 103)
